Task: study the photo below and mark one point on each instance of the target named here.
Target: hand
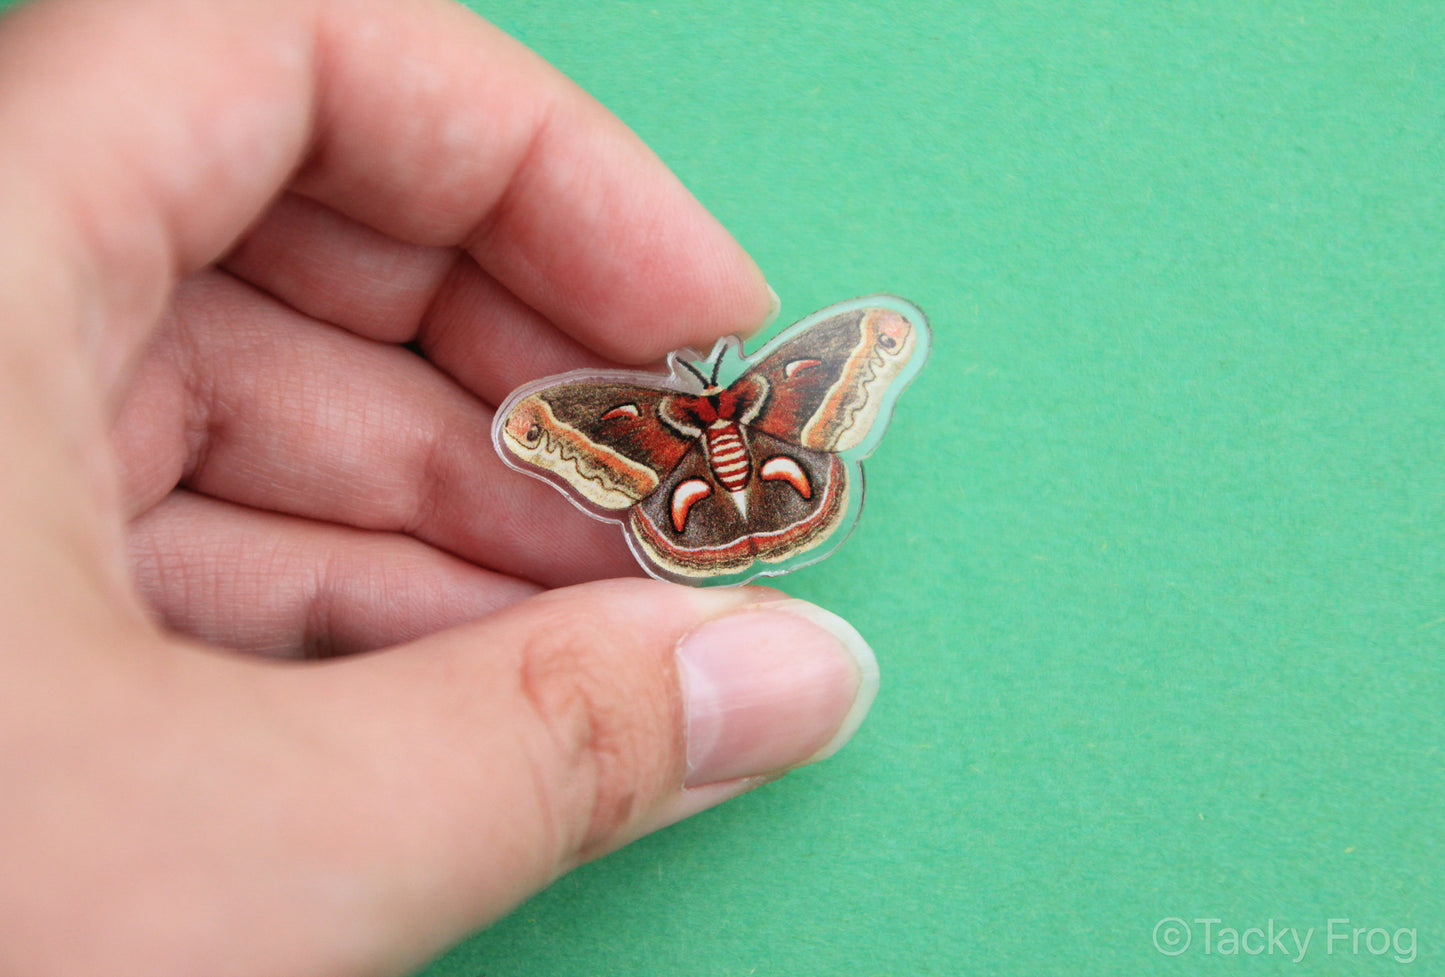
(219, 224)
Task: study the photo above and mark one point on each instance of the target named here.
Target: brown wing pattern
(827, 385)
(603, 440)
(776, 522)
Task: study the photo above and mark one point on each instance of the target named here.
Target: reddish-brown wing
(826, 385)
(601, 440)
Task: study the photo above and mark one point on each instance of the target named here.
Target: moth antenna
(715, 365)
(694, 371)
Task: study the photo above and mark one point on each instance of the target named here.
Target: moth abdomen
(727, 455)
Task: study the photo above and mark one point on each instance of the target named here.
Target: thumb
(491, 758)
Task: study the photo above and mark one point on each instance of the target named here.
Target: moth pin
(732, 466)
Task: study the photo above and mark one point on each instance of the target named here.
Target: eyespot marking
(621, 410)
(893, 331)
(798, 365)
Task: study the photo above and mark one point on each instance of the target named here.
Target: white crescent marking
(781, 468)
(684, 497)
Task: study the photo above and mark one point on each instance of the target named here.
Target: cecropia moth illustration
(731, 467)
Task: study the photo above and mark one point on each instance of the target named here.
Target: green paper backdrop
(1152, 555)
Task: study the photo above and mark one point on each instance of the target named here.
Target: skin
(222, 220)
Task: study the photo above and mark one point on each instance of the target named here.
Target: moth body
(727, 453)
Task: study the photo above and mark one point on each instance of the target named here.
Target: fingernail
(773, 309)
(772, 687)
(775, 306)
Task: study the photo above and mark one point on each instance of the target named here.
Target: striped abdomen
(727, 455)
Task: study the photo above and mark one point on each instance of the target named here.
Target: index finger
(154, 132)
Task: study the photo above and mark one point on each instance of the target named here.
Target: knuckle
(610, 720)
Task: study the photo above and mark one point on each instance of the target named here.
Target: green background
(1152, 555)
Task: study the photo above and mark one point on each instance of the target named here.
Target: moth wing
(601, 439)
(692, 529)
(828, 380)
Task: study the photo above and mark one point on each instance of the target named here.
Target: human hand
(219, 222)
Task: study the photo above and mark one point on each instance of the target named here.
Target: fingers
(338, 270)
(415, 118)
(490, 148)
(243, 399)
(483, 336)
(494, 757)
(273, 585)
